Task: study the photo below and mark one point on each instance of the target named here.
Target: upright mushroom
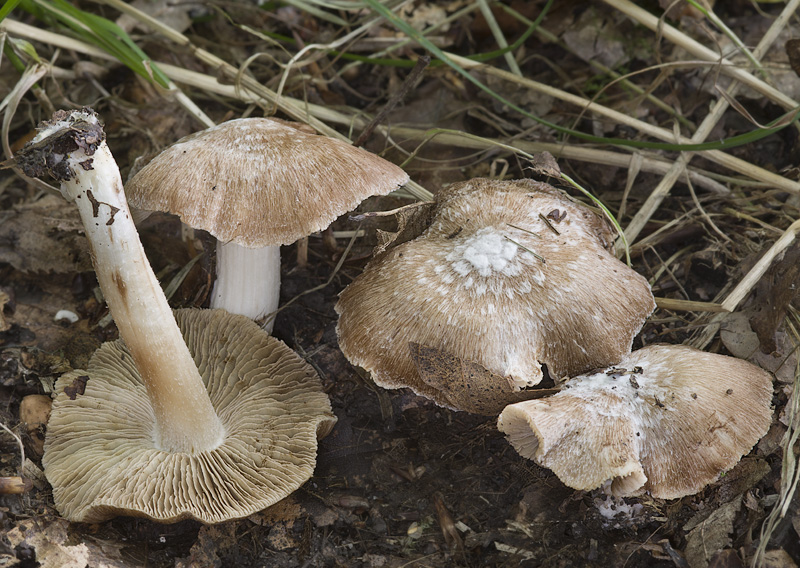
(511, 276)
(256, 184)
(666, 419)
(152, 428)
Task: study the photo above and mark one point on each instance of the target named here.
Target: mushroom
(177, 431)
(511, 276)
(256, 184)
(99, 451)
(666, 419)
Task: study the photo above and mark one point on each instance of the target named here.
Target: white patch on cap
(487, 252)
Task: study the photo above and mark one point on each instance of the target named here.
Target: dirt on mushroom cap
(670, 416)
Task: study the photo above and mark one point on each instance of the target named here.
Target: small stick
(550, 225)
(410, 81)
(14, 485)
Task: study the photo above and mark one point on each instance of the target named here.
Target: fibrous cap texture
(510, 276)
(99, 453)
(260, 182)
(666, 420)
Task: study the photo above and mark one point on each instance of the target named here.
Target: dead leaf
(284, 511)
(173, 14)
(745, 475)
(773, 294)
(777, 558)
(78, 387)
(279, 538)
(43, 237)
(709, 535)
(210, 540)
(4, 300)
(466, 385)
(726, 559)
(739, 338)
(48, 538)
(448, 526)
(595, 37)
(412, 220)
(546, 165)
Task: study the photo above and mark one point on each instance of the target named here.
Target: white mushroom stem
(248, 281)
(185, 419)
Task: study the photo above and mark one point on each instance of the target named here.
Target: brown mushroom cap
(99, 453)
(474, 285)
(260, 182)
(668, 419)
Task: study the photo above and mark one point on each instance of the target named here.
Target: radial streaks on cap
(666, 419)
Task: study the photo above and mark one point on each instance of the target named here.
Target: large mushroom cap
(99, 453)
(260, 181)
(510, 276)
(666, 419)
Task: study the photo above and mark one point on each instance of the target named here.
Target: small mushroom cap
(668, 419)
(492, 283)
(260, 182)
(99, 454)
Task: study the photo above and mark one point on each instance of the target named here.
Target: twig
(410, 81)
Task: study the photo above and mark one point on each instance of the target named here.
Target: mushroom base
(99, 451)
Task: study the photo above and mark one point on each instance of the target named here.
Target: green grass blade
(101, 32)
(7, 8)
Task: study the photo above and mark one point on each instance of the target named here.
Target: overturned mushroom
(511, 276)
(99, 452)
(152, 428)
(256, 184)
(666, 420)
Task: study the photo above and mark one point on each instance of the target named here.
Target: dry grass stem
(709, 123)
(313, 114)
(754, 275)
(717, 156)
(699, 50)
(676, 305)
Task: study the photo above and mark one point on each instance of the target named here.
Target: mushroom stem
(74, 149)
(248, 281)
